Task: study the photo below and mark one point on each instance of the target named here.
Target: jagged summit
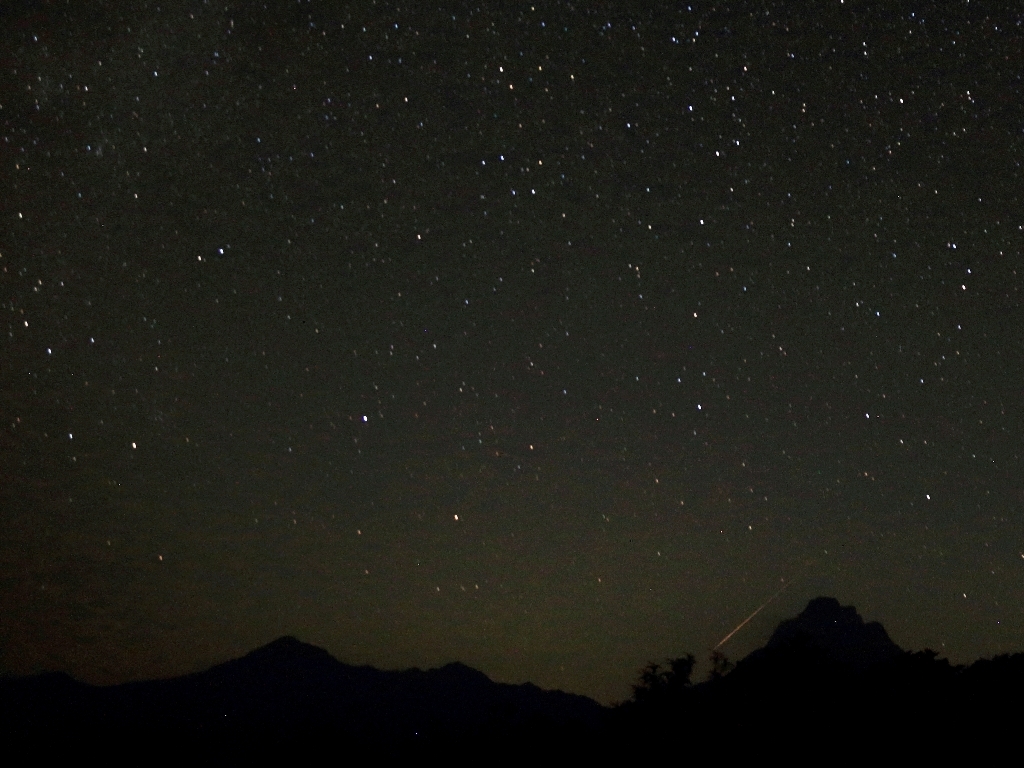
(839, 632)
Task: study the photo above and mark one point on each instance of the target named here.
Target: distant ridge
(294, 692)
(288, 645)
(824, 675)
(285, 655)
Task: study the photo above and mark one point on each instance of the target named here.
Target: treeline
(799, 694)
(801, 699)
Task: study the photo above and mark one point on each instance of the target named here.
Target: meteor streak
(760, 608)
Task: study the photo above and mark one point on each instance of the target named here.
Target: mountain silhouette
(825, 677)
(822, 654)
(837, 631)
(829, 683)
(290, 693)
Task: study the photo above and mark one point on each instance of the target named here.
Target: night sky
(552, 338)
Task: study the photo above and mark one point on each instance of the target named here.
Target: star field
(550, 339)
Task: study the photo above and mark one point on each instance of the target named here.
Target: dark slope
(825, 681)
(829, 683)
(837, 632)
(289, 693)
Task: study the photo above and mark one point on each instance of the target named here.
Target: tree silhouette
(720, 665)
(659, 685)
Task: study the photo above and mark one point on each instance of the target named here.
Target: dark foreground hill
(827, 683)
(292, 696)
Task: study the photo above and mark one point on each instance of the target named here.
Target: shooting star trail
(760, 608)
